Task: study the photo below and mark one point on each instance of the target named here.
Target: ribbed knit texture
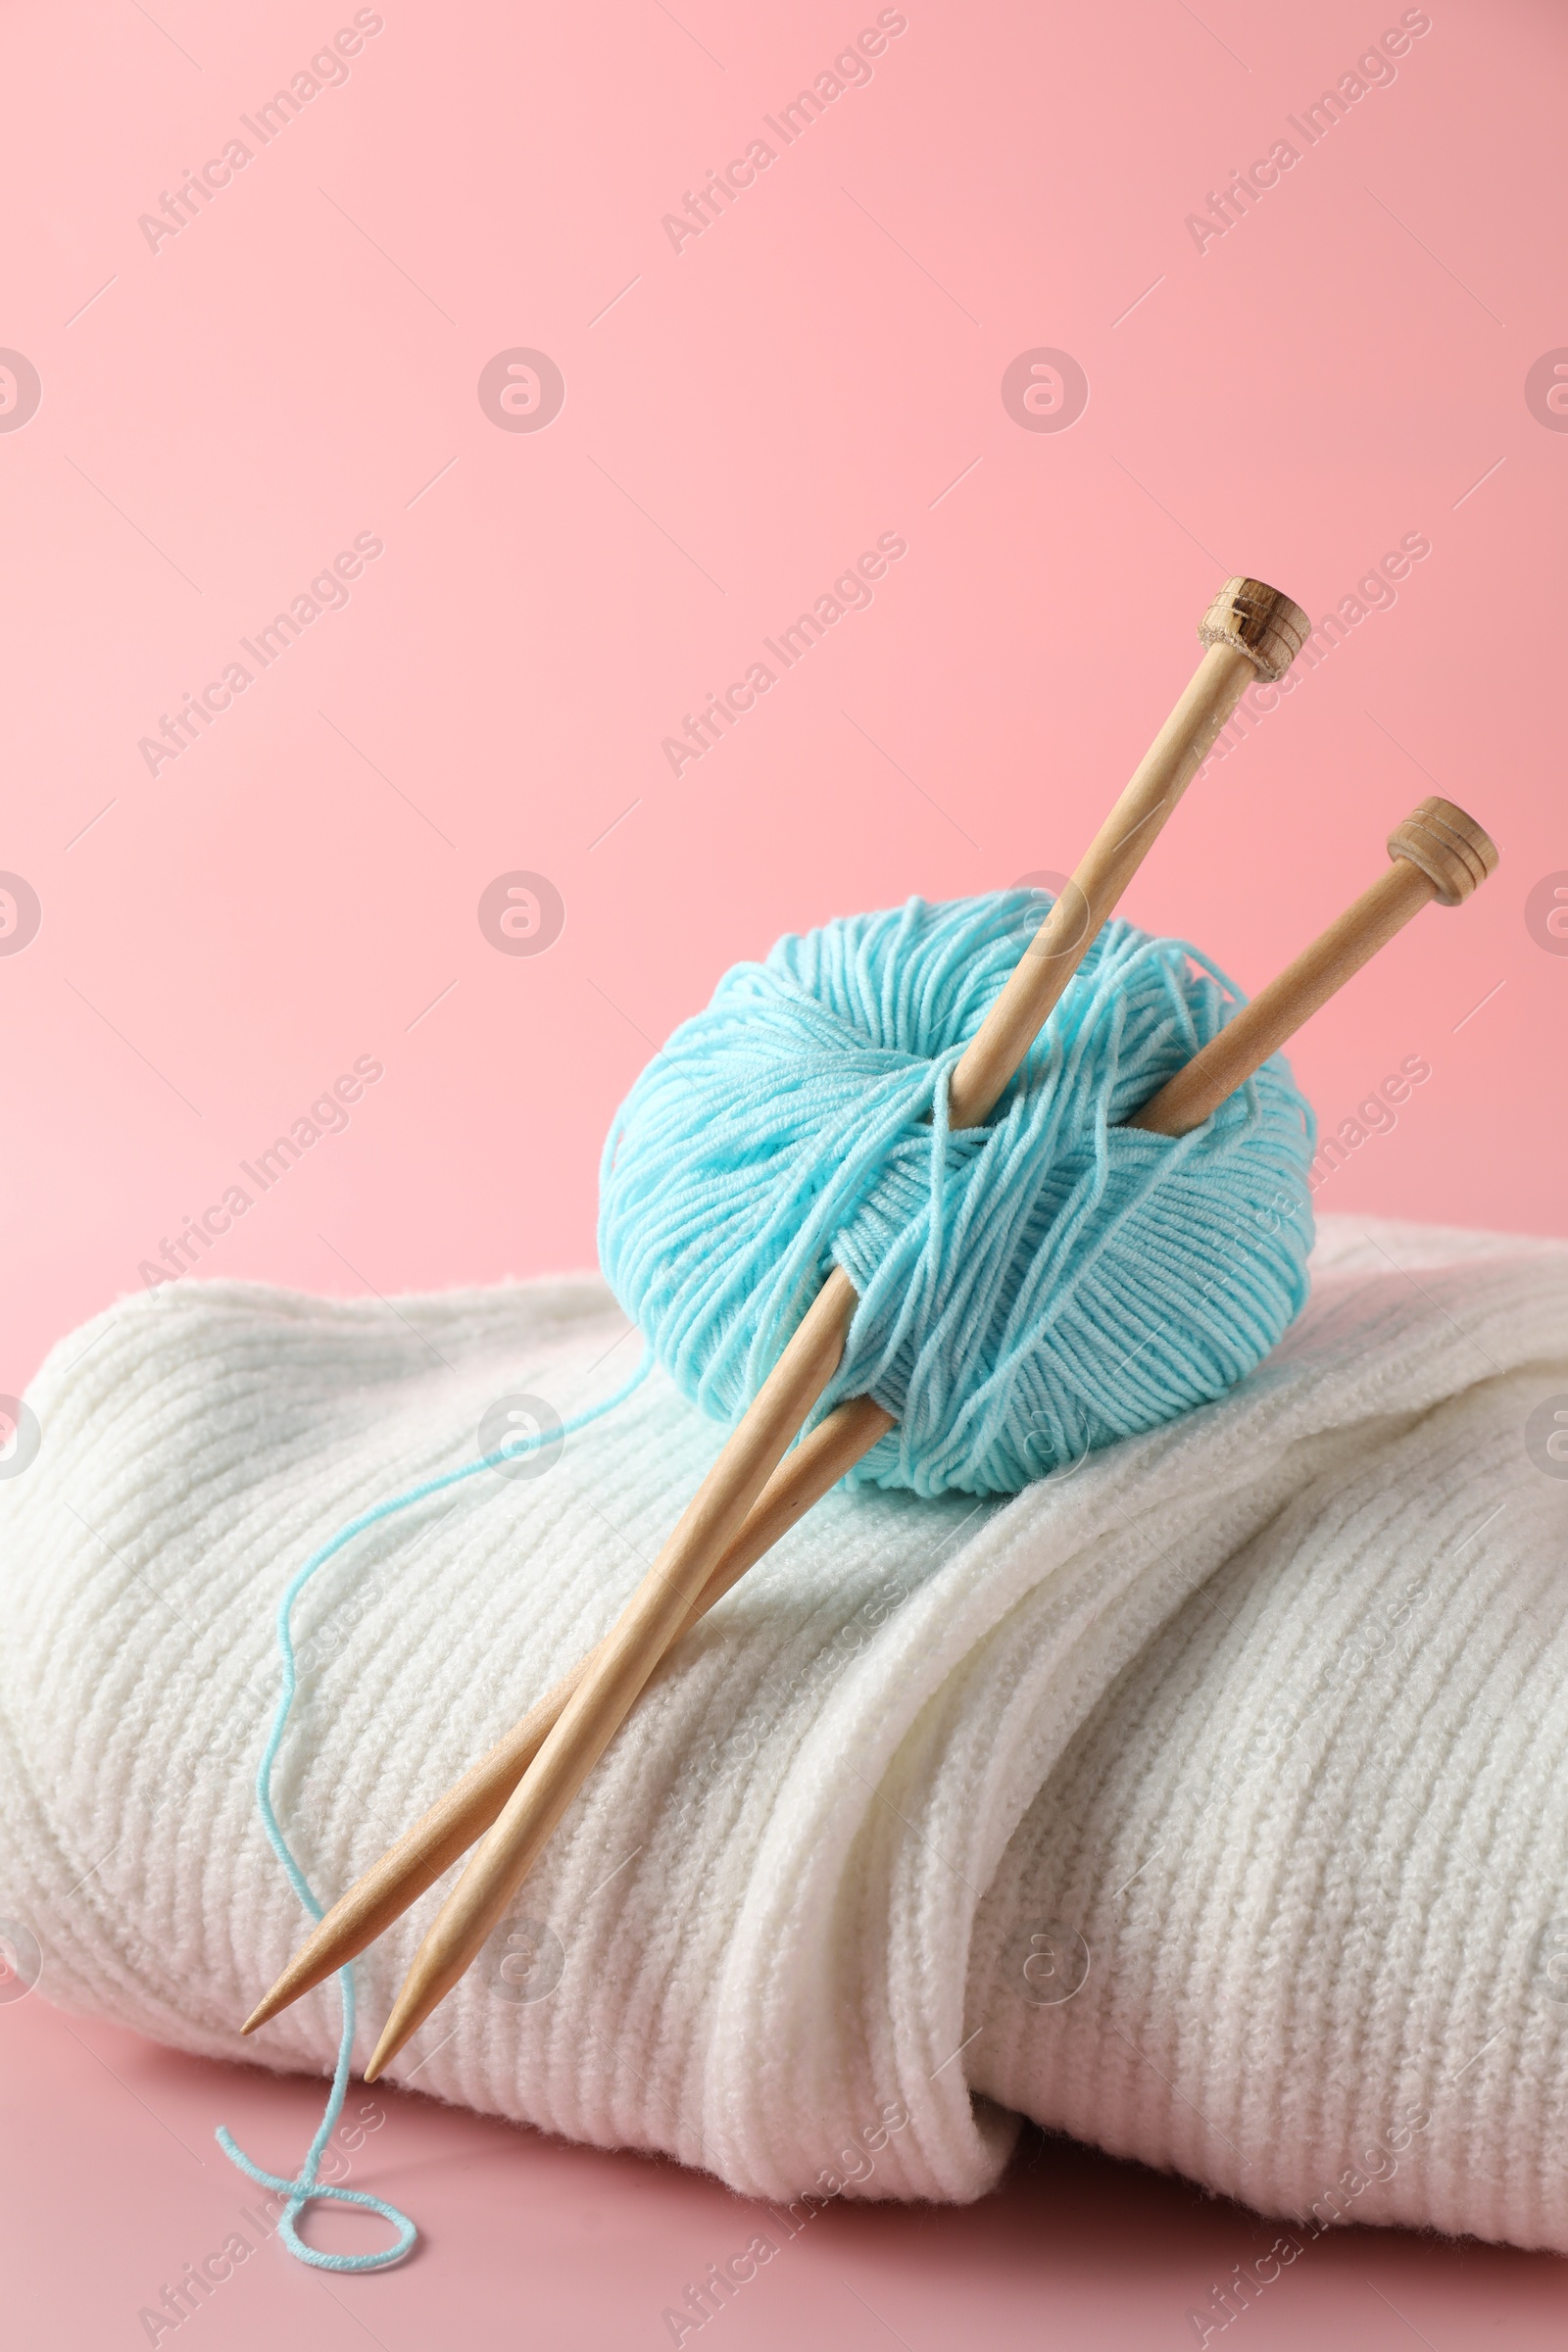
(1268, 1707)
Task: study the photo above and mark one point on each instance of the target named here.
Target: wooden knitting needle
(1248, 631)
(1438, 853)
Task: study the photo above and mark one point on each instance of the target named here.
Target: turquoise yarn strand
(1051, 1282)
(306, 2187)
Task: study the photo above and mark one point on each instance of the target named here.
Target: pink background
(1345, 366)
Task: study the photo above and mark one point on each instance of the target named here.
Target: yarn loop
(306, 2187)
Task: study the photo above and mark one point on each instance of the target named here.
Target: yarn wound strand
(1049, 1281)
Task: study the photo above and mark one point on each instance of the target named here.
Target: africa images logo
(1044, 390)
(20, 390)
(522, 390)
(20, 913)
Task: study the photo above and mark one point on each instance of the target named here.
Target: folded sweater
(1209, 1800)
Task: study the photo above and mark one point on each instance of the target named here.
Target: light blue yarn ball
(1029, 1290)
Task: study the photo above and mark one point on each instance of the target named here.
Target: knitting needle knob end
(1449, 847)
(1257, 620)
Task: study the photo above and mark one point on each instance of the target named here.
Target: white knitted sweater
(1250, 1738)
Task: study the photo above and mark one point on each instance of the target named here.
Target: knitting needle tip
(266, 2009)
(302, 1973)
(406, 2020)
(309, 1966)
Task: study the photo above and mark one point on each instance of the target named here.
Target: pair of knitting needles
(513, 1798)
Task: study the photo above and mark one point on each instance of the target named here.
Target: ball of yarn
(1029, 1290)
